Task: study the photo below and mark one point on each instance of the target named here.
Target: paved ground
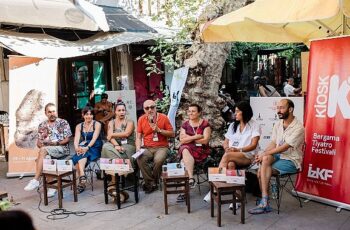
(149, 212)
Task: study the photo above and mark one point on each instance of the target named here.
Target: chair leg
(296, 193)
(279, 194)
(198, 183)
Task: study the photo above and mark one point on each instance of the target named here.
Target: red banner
(326, 167)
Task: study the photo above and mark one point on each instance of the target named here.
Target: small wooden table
(59, 182)
(176, 182)
(219, 189)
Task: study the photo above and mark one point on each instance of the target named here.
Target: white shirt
(288, 90)
(242, 139)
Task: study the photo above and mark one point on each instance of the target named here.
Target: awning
(46, 46)
(53, 14)
(120, 21)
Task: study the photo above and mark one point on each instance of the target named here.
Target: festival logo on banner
(326, 167)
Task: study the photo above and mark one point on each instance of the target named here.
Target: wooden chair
(176, 182)
(220, 189)
(58, 181)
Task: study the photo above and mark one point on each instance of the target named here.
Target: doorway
(81, 82)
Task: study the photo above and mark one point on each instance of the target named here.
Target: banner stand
(310, 197)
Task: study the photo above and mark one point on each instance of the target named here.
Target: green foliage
(161, 53)
(163, 104)
(180, 14)
(250, 50)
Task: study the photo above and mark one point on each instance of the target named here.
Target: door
(81, 83)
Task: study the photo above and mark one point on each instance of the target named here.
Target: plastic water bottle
(274, 190)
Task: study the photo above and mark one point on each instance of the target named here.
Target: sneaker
(180, 198)
(207, 198)
(33, 184)
(260, 210)
(51, 192)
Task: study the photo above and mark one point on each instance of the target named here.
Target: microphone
(150, 119)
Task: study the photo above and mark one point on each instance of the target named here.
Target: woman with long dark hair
(241, 139)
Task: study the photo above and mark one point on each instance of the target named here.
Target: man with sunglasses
(154, 129)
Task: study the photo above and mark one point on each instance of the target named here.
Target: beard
(283, 115)
(52, 118)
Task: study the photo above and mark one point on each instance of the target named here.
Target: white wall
(4, 83)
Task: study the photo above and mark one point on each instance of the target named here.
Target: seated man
(53, 139)
(283, 154)
(154, 129)
(104, 111)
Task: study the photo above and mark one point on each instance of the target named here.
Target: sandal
(82, 184)
(192, 183)
(263, 207)
(124, 196)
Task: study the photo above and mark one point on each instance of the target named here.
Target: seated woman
(87, 144)
(194, 139)
(120, 136)
(241, 139)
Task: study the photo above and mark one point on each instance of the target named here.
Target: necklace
(193, 126)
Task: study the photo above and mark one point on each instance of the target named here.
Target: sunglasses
(149, 107)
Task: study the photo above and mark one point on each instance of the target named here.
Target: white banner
(265, 115)
(129, 98)
(177, 85)
(33, 84)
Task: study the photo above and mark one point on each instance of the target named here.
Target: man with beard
(154, 129)
(53, 139)
(283, 154)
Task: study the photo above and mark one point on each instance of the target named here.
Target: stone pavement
(149, 212)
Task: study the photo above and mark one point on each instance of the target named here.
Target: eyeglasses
(149, 107)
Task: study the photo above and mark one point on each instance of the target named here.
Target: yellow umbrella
(281, 21)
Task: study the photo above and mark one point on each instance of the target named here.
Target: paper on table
(138, 153)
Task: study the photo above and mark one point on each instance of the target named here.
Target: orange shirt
(145, 129)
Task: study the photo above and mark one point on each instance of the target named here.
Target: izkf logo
(331, 93)
(318, 173)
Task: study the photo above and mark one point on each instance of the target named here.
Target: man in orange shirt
(154, 129)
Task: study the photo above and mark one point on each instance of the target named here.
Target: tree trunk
(206, 62)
